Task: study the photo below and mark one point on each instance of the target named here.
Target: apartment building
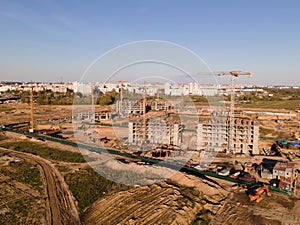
(214, 135)
(156, 131)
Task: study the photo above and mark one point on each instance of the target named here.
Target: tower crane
(144, 113)
(31, 129)
(234, 75)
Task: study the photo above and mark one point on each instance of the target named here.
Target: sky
(44, 40)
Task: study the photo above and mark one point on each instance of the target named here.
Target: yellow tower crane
(31, 129)
(144, 114)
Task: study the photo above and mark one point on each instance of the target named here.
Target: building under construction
(127, 107)
(157, 130)
(214, 135)
(93, 116)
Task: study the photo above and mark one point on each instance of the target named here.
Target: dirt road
(60, 205)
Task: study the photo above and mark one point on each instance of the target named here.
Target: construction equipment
(234, 75)
(255, 193)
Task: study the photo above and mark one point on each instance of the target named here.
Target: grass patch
(127, 177)
(280, 104)
(18, 114)
(20, 207)
(24, 172)
(45, 152)
(87, 186)
(6, 109)
(267, 132)
(23, 211)
(62, 169)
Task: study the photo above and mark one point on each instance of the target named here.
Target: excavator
(255, 192)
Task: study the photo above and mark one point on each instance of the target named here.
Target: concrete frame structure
(94, 116)
(136, 107)
(213, 135)
(159, 105)
(158, 131)
(128, 107)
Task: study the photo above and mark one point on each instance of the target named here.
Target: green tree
(107, 99)
(25, 97)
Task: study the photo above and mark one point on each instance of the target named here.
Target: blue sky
(45, 40)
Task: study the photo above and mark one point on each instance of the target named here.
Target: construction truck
(255, 192)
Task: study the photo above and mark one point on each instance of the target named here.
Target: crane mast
(231, 115)
(144, 115)
(31, 130)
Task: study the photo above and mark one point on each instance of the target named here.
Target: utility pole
(31, 130)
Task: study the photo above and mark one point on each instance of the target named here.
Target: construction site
(255, 152)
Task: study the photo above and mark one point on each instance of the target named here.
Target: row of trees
(284, 94)
(48, 97)
(276, 95)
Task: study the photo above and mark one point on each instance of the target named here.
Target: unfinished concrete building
(94, 116)
(159, 105)
(127, 107)
(214, 135)
(158, 131)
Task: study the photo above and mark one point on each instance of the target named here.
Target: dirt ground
(60, 205)
(277, 209)
(161, 203)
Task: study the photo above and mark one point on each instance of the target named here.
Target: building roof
(282, 166)
(268, 164)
